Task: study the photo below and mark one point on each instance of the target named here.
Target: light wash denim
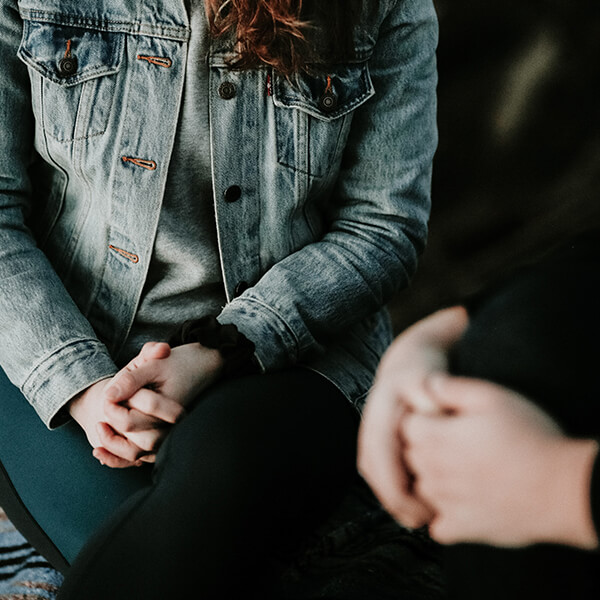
(324, 227)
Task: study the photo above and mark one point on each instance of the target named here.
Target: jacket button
(240, 288)
(67, 66)
(232, 193)
(227, 90)
(328, 101)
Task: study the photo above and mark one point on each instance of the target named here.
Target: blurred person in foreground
(483, 425)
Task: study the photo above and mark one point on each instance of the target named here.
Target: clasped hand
(473, 461)
(400, 389)
(127, 417)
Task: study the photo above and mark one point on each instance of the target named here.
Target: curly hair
(288, 35)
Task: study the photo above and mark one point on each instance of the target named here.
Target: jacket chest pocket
(73, 77)
(313, 116)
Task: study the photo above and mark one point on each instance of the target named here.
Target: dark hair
(288, 35)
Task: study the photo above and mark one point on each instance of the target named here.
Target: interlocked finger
(118, 445)
(129, 420)
(157, 405)
(110, 460)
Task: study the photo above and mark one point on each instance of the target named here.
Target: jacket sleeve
(381, 206)
(47, 348)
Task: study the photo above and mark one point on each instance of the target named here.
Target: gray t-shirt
(184, 279)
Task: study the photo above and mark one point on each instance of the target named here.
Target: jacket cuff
(275, 344)
(236, 350)
(63, 375)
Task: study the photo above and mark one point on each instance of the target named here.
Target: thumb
(154, 350)
(126, 383)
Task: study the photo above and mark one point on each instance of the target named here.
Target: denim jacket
(321, 187)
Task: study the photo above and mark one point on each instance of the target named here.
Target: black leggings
(238, 484)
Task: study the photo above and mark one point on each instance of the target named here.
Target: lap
(257, 463)
(68, 495)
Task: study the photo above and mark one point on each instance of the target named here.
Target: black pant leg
(257, 464)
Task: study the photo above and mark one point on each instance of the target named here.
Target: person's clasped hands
(474, 461)
(401, 388)
(127, 416)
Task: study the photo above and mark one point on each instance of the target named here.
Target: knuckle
(129, 452)
(141, 444)
(121, 447)
(111, 410)
(104, 436)
(119, 421)
(127, 379)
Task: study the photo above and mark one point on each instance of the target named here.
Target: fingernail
(95, 455)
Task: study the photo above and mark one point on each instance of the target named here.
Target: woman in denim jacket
(259, 169)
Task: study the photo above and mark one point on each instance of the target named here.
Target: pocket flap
(327, 96)
(95, 52)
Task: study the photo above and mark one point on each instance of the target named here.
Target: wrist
(197, 354)
(76, 406)
(235, 350)
(572, 521)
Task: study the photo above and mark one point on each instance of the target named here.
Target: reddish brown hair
(283, 33)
